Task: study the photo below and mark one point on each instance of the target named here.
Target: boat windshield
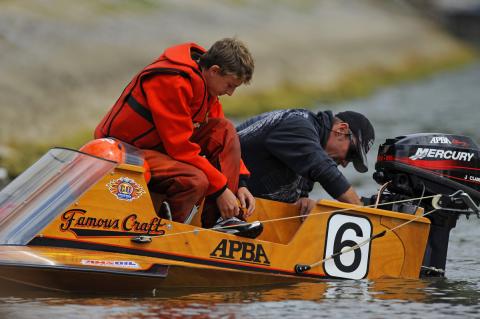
(43, 191)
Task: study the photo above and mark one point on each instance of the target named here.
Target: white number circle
(345, 231)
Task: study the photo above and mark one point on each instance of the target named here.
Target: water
(447, 102)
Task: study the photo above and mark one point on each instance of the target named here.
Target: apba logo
(440, 140)
(237, 250)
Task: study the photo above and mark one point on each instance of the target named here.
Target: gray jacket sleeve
(295, 142)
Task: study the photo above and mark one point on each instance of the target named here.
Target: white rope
(379, 194)
(197, 230)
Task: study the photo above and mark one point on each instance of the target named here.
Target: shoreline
(64, 65)
(358, 84)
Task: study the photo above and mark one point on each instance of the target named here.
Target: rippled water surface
(445, 103)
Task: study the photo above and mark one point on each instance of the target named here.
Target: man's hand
(227, 204)
(246, 201)
(305, 206)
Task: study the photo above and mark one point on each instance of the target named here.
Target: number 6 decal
(345, 231)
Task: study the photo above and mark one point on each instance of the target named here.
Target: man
(171, 111)
(287, 151)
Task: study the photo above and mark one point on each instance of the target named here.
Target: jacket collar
(182, 54)
(325, 122)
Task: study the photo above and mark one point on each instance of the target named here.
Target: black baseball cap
(364, 134)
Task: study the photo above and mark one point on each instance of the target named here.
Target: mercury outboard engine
(422, 165)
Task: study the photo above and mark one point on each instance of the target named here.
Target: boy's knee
(199, 182)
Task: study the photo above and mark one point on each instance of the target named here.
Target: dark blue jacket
(284, 152)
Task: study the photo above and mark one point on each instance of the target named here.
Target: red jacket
(161, 106)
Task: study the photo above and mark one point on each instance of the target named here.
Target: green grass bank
(358, 83)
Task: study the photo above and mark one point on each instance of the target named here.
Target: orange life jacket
(166, 123)
(130, 119)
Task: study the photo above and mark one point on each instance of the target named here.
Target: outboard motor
(420, 165)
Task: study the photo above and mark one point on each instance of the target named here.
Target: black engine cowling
(425, 164)
(443, 163)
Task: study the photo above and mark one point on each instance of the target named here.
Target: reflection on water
(300, 300)
(448, 103)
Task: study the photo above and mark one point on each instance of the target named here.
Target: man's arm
(350, 196)
(305, 205)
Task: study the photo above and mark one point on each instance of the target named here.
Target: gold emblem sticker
(125, 188)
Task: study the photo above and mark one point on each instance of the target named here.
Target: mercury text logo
(442, 154)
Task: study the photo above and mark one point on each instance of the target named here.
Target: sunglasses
(352, 147)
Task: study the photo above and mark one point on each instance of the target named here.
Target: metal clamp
(447, 202)
(142, 239)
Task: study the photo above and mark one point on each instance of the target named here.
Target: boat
(84, 221)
